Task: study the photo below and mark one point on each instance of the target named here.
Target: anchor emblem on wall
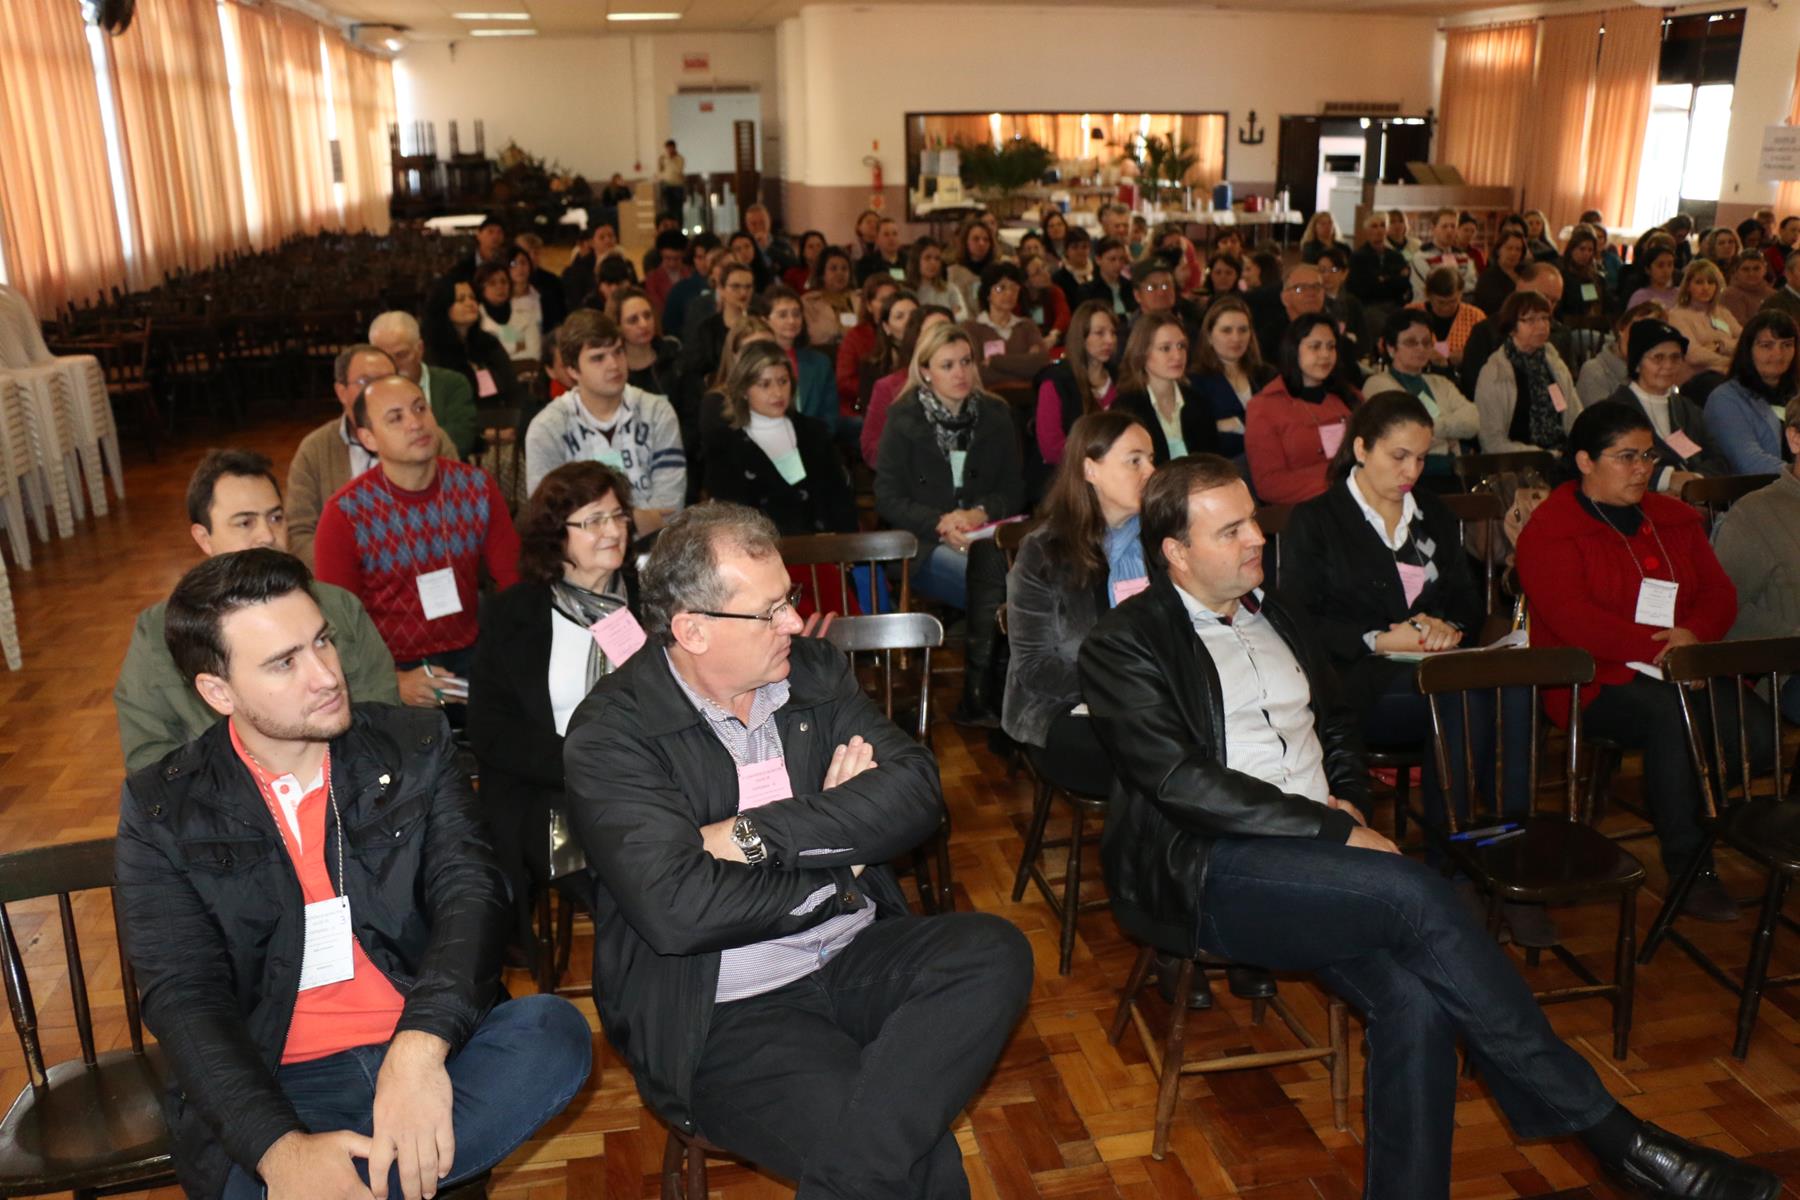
(1251, 135)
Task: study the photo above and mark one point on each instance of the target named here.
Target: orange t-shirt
(364, 1009)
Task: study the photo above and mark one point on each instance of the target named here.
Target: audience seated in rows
(1154, 388)
(1080, 382)
(233, 503)
(1607, 372)
(1407, 347)
(1260, 852)
(454, 341)
(1653, 357)
(888, 388)
(1010, 347)
(1525, 396)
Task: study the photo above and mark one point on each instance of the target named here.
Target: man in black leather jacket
(315, 919)
(754, 960)
(1237, 830)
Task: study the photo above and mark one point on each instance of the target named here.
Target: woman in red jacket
(1627, 574)
(1294, 426)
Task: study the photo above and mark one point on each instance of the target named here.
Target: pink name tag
(1442, 348)
(763, 783)
(1682, 444)
(619, 636)
(1412, 581)
(1331, 437)
(1556, 399)
(993, 348)
(1125, 589)
(484, 382)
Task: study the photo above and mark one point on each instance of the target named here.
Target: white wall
(1765, 83)
(866, 67)
(595, 104)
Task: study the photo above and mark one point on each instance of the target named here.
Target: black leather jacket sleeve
(1138, 719)
(877, 816)
(464, 897)
(184, 975)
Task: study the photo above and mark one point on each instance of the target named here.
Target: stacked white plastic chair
(33, 432)
(83, 409)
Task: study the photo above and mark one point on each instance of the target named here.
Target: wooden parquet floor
(1065, 1115)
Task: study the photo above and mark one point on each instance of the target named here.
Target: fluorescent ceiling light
(643, 16)
(495, 16)
(502, 33)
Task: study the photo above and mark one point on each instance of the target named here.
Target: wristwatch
(744, 834)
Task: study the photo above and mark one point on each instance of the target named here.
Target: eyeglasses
(600, 520)
(783, 606)
(1301, 289)
(1155, 288)
(1634, 458)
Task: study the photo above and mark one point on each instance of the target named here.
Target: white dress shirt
(1269, 730)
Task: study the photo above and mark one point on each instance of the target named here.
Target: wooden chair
(1765, 829)
(92, 1126)
(1471, 469)
(884, 636)
(1557, 858)
(1068, 906)
(684, 1165)
(842, 551)
(1168, 1053)
(1483, 509)
(1273, 520)
(1714, 496)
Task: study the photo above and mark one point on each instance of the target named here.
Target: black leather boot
(980, 706)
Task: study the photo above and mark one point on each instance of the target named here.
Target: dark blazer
(1097, 289)
(212, 917)
(1378, 275)
(737, 469)
(1199, 428)
(1686, 417)
(1158, 709)
(1046, 619)
(663, 376)
(913, 486)
(1337, 572)
(646, 772)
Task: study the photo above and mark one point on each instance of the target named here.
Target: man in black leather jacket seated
(1237, 830)
(315, 918)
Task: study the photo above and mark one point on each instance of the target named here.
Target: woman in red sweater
(1628, 575)
(1294, 426)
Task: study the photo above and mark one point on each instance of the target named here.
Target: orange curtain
(1553, 166)
(1623, 83)
(1486, 93)
(362, 89)
(284, 121)
(1787, 196)
(181, 160)
(57, 219)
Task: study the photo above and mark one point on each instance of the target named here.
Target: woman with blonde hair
(1711, 331)
(747, 332)
(1319, 236)
(1538, 240)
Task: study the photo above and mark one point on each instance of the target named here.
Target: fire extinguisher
(877, 197)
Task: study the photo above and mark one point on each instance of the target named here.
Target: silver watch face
(744, 833)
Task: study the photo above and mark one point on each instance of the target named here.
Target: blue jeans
(943, 576)
(1388, 935)
(522, 1066)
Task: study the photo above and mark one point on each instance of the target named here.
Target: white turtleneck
(774, 434)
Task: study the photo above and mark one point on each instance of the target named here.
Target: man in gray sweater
(1758, 544)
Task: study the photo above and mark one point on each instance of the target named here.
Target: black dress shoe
(1708, 900)
(1168, 967)
(1664, 1165)
(1250, 983)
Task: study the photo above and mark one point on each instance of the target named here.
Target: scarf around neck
(953, 431)
(584, 608)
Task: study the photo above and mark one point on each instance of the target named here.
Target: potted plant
(996, 176)
(1163, 164)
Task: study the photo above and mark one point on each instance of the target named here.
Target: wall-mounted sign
(700, 61)
(1780, 159)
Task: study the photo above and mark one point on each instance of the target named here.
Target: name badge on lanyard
(763, 783)
(325, 957)
(1656, 603)
(438, 595)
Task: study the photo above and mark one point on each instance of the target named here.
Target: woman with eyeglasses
(1406, 344)
(1626, 574)
(537, 657)
(1654, 353)
(1525, 395)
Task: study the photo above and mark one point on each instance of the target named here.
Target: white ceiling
(433, 19)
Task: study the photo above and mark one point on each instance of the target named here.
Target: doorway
(1322, 162)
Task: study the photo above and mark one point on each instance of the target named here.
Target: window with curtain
(180, 147)
(1554, 162)
(1487, 91)
(281, 88)
(1672, 82)
(57, 215)
(1787, 196)
(363, 96)
(1070, 136)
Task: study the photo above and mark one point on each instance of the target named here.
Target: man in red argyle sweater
(408, 537)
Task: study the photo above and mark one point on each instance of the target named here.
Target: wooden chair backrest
(1719, 493)
(1720, 674)
(840, 552)
(888, 634)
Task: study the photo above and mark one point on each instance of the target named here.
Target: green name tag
(957, 459)
(791, 468)
(1590, 292)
